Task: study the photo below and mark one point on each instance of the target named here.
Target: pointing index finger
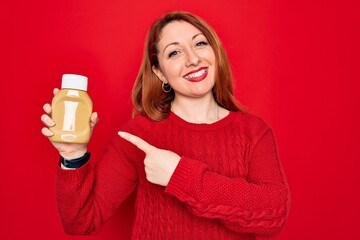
(138, 142)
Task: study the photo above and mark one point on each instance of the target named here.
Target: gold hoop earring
(166, 87)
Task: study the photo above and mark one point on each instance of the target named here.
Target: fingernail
(51, 122)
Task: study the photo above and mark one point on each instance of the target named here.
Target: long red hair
(147, 95)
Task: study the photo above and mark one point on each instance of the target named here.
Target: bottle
(71, 110)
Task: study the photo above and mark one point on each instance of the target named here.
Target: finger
(47, 120)
(55, 91)
(46, 132)
(47, 108)
(141, 144)
(94, 119)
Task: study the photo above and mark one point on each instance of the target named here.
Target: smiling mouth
(197, 75)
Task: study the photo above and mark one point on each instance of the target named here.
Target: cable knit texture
(229, 183)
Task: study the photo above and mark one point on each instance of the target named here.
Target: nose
(192, 59)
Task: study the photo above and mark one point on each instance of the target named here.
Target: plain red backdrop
(295, 64)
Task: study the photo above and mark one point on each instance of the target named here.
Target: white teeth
(196, 74)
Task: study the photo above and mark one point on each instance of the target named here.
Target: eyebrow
(177, 43)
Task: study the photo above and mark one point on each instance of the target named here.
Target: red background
(296, 64)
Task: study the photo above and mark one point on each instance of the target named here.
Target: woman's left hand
(159, 164)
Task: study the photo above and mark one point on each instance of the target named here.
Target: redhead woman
(201, 166)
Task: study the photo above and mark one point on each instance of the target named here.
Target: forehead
(176, 31)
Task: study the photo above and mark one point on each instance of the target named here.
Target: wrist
(73, 155)
(76, 162)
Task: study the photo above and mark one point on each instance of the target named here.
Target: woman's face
(186, 60)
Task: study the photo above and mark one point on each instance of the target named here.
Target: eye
(201, 44)
(173, 54)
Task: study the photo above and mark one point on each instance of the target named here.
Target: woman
(200, 165)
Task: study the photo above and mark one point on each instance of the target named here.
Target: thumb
(94, 119)
(138, 142)
(55, 91)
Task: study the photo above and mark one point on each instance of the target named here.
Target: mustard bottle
(71, 110)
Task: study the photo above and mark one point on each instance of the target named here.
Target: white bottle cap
(74, 81)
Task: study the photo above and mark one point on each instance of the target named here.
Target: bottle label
(70, 115)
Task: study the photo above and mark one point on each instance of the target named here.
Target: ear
(159, 74)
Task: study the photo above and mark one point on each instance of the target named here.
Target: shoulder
(251, 119)
(141, 126)
(251, 125)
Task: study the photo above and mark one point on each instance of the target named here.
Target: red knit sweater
(229, 183)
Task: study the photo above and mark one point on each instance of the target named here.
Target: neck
(197, 110)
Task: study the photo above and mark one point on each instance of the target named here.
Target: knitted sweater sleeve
(89, 195)
(255, 204)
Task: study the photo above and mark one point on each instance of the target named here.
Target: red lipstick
(197, 75)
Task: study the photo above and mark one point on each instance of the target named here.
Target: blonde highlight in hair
(147, 95)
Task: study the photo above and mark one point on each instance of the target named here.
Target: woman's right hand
(66, 150)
